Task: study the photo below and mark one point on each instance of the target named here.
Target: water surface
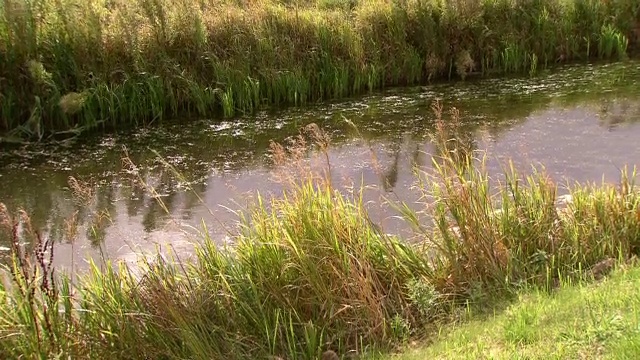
(580, 122)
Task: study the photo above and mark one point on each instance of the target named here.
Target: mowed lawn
(579, 321)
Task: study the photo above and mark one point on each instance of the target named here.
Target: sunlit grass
(579, 321)
(308, 274)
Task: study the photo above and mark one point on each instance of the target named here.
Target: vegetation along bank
(72, 65)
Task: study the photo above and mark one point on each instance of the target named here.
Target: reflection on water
(581, 123)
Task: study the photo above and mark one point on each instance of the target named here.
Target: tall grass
(512, 230)
(71, 65)
(309, 272)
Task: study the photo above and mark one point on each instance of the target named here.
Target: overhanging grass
(72, 65)
(309, 273)
(579, 321)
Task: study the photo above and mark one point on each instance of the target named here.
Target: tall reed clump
(314, 272)
(308, 272)
(71, 65)
(506, 231)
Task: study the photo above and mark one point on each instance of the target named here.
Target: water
(580, 122)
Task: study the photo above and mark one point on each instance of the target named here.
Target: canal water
(580, 122)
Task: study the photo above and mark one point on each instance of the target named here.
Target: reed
(71, 65)
(510, 230)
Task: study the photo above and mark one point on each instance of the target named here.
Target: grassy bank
(73, 65)
(309, 271)
(596, 321)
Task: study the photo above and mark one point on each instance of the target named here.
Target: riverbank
(309, 271)
(70, 66)
(579, 321)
